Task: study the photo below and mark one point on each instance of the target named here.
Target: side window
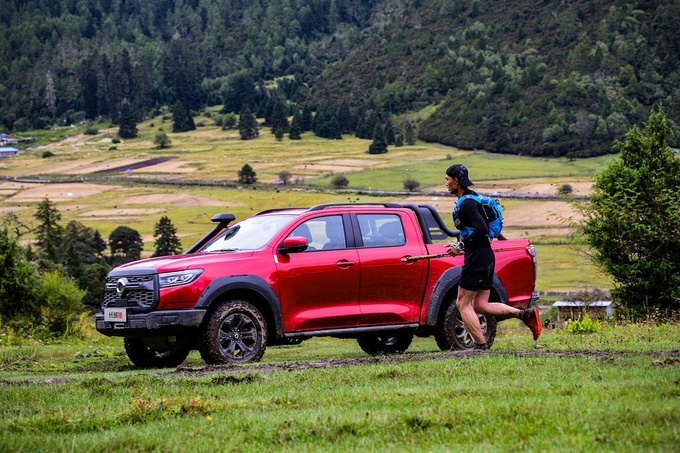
(381, 230)
(322, 233)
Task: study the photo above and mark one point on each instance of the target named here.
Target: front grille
(140, 292)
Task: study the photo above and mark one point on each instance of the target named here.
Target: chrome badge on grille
(121, 285)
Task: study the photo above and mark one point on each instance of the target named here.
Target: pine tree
(307, 119)
(166, 240)
(246, 175)
(128, 123)
(295, 132)
(632, 221)
(379, 145)
(345, 120)
(182, 121)
(49, 233)
(409, 134)
(247, 125)
(279, 118)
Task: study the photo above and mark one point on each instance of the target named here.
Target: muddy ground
(226, 372)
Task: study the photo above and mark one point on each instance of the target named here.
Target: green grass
(615, 390)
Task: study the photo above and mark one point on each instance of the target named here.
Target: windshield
(250, 234)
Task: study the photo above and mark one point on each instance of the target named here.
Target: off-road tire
(235, 333)
(385, 343)
(143, 356)
(451, 332)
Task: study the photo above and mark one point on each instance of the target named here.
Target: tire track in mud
(659, 358)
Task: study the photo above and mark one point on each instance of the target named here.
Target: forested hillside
(523, 77)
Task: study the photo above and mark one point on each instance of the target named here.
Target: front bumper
(166, 322)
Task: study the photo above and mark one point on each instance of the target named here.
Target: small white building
(8, 151)
(598, 309)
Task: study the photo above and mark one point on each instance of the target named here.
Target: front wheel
(145, 357)
(385, 343)
(235, 333)
(451, 332)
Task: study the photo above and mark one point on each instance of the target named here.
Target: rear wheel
(145, 357)
(385, 343)
(451, 332)
(235, 333)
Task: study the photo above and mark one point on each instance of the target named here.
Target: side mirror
(293, 244)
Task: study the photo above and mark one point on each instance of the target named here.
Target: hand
(455, 248)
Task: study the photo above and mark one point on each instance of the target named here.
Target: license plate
(115, 315)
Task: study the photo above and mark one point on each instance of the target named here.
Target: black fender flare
(448, 281)
(248, 283)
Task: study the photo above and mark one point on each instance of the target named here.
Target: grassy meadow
(210, 153)
(613, 390)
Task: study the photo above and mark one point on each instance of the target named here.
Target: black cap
(459, 172)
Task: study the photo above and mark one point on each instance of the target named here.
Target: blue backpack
(491, 212)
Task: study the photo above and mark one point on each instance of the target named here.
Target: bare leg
(465, 304)
(497, 309)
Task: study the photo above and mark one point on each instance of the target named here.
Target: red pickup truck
(376, 272)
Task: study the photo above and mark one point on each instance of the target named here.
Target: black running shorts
(478, 268)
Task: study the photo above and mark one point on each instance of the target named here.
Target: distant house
(598, 309)
(8, 151)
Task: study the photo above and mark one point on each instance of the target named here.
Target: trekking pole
(408, 259)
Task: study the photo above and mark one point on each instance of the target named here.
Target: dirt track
(657, 358)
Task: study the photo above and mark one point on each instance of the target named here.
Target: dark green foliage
(49, 233)
(126, 245)
(47, 154)
(325, 124)
(182, 121)
(295, 132)
(411, 184)
(17, 280)
(166, 240)
(162, 140)
(533, 78)
(339, 181)
(246, 175)
(247, 125)
(238, 92)
(379, 145)
(632, 221)
(127, 119)
(279, 117)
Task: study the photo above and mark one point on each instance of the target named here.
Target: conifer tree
(128, 123)
(49, 233)
(247, 125)
(166, 240)
(246, 175)
(182, 121)
(295, 132)
(379, 145)
(279, 117)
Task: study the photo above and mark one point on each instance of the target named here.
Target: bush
(60, 304)
(91, 130)
(411, 184)
(47, 154)
(583, 325)
(565, 189)
(339, 181)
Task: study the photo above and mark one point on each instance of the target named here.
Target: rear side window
(323, 233)
(381, 230)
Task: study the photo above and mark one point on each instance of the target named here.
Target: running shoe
(533, 320)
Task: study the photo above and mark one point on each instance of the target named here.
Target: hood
(182, 262)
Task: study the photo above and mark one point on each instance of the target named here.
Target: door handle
(344, 264)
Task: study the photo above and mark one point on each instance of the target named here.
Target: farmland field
(105, 184)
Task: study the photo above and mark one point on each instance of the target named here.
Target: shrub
(60, 304)
(339, 181)
(565, 189)
(47, 154)
(583, 325)
(411, 184)
(91, 130)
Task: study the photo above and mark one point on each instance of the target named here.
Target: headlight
(178, 278)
